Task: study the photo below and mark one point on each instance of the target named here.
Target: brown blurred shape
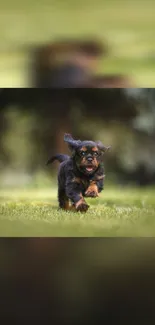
(112, 81)
(72, 60)
(71, 63)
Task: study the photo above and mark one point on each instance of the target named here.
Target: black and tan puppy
(81, 175)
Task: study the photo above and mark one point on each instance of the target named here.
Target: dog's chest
(85, 183)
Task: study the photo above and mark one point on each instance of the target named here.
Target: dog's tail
(58, 157)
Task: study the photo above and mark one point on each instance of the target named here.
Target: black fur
(58, 157)
(74, 180)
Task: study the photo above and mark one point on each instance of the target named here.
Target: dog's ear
(102, 147)
(72, 144)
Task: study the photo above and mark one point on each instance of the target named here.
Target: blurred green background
(33, 123)
(128, 27)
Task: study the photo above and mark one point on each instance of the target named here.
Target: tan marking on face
(84, 161)
(83, 149)
(95, 162)
(94, 149)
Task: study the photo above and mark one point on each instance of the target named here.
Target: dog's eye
(95, 153)
(83, 153)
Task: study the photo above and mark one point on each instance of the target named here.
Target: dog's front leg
(74, 193)
(92, 190)
(95, 187)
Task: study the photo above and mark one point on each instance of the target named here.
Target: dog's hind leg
(63, 200)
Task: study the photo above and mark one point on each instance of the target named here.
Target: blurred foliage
(17, 139)
(126, 25)
(31, 135)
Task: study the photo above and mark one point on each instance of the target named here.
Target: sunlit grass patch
(118, 212)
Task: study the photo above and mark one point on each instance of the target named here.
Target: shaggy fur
(81, 175)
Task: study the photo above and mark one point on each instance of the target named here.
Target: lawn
(118, 212)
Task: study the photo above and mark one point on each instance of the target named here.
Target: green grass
(118, 212)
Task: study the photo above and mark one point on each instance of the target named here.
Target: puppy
(81, 175)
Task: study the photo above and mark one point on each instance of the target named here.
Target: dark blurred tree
(53, 112)
(66, 63)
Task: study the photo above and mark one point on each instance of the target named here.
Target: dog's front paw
(81, 206)
(92, 191)
(91, 194)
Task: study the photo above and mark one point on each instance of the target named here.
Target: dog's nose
(90, 159)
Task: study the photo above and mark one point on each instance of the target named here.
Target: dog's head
(87, 154)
